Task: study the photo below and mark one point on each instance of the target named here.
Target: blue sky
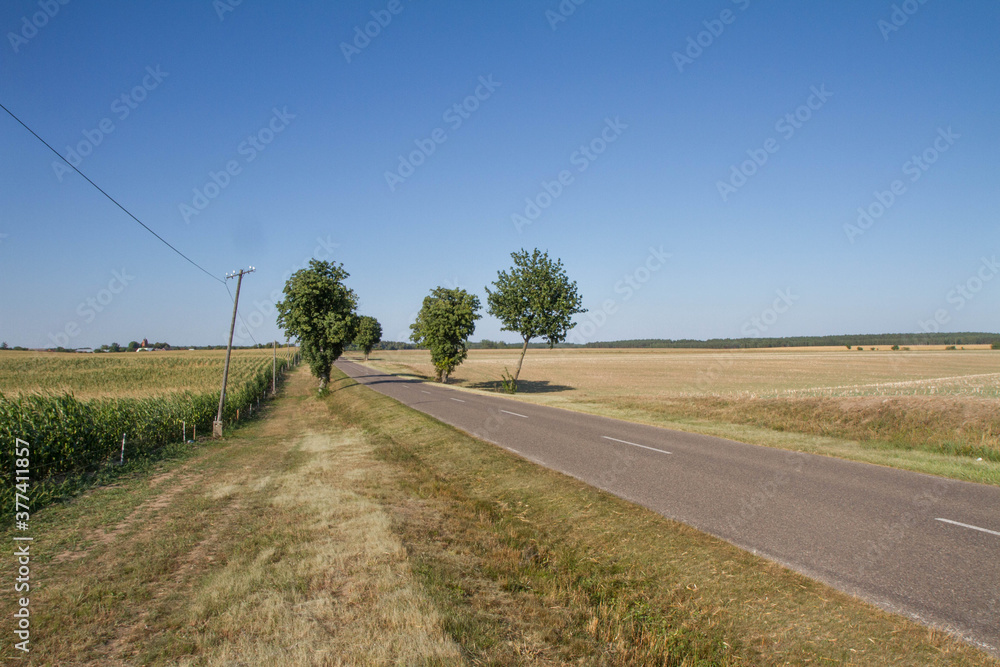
(652, 114)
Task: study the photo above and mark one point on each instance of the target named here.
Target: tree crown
(535, 298)
(444, 324)
(319, 310)
(369, 333)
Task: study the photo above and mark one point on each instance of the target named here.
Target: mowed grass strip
(266, 548)
(529, 566)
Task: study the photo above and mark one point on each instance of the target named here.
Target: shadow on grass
(523, 386)
(338, 384)
(357, 380)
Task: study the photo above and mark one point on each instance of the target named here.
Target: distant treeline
(386, 345)
(133, 346)
(866, 340)
(809, 341)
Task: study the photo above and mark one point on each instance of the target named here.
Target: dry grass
(599, 374)
(266, 549)
(354, 531)
(531, 567)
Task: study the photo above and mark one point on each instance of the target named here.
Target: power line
(241, 317)
(127, 212)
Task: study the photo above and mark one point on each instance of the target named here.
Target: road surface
(914, 544)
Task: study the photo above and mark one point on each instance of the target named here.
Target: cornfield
(69, 435)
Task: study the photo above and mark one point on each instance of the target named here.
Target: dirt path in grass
(266, 548)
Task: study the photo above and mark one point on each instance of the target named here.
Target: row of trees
(534, 298)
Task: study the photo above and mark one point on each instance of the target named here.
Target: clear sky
(713, 159)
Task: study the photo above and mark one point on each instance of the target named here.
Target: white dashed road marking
(626, 442)
(965, 525)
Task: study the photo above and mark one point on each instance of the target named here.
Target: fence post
(122, 460)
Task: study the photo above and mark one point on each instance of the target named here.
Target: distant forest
(812, 341)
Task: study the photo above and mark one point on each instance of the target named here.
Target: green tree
(133, 346)
(444, 324)
(369, 334)
(536, 299)
(319, 310)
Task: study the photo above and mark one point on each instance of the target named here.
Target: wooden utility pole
(217, 424)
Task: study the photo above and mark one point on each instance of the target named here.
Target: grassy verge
(530, 566)
(353, 530)
(935, 436)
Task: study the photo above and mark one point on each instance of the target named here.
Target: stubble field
(926, 409)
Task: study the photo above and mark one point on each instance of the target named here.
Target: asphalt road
(918, 545)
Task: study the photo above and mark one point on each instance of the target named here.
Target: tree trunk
(366, 354)
(444, 377)
(521, 360)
